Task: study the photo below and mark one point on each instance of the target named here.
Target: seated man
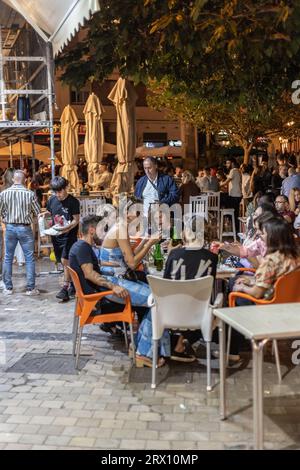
(84, 262)
(283, 208)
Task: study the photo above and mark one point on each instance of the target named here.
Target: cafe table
(259, 324)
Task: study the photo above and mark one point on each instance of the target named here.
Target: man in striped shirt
(18, 206)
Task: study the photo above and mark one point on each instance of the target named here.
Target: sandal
(112, 330)
(142, 361)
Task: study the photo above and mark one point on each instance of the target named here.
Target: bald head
(19, 177)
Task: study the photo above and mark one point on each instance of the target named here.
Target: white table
(259, 324)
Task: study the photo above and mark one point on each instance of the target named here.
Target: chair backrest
(181, 304)
(213, 202)
(76, 282)
(199, 205)
(287, 288)
(90, 206)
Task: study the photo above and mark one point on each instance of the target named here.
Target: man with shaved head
(18, 206)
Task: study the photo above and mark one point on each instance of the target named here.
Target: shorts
(62, 247)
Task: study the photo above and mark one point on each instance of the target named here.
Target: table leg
(258, 416)
(222, 365)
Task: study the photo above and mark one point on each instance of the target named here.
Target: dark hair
(58, 183)
(279, 237)
(268, 207)
(152, 160)
(267, 199)
(286, 199)
(88, 221)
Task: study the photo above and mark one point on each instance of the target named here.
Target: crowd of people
(103, 259)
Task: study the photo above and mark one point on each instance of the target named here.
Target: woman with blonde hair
(188, 188)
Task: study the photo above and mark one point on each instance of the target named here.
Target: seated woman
(253, 248)
(116, 256)
(191, 261)
(294, 200)
(282, 257)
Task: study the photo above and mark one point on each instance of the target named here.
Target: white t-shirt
(246, 189)
(234, 187)
(150, 195)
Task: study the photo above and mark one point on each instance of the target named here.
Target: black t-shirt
(68, 208)
(82, 253)
(188, 263)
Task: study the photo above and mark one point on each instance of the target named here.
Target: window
(79, 96)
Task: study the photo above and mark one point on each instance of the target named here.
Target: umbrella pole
(33, 155)
(50, 105)
(11, 154)
(21, 155)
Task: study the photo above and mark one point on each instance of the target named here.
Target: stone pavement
(45, 404)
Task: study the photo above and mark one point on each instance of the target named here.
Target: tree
(231, 58)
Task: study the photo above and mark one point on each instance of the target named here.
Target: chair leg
(208, 366)
(132, 342)
(78, 347)
(125, 335)
(75, 332)
(154, 362)
(275, 345)
(228, 345)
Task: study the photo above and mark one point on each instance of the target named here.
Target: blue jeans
(24, 235)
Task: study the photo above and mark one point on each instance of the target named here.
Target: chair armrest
(98, 295)
(218, 303)
(234, 295)
(251, 270)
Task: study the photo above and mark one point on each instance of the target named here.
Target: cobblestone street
(46, 404)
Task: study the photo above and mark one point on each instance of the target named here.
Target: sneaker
(63, 295)
(182, 357)
(231, 357)
(2, 285)
(32, 292)
(7, 291)
(71, 291)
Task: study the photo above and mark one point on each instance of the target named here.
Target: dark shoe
(63, 295)
(182, 357)
(112, 330)
(71, 291)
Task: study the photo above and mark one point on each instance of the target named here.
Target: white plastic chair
(182, 305)
(199, 206)
(214, 207)
(90, 206)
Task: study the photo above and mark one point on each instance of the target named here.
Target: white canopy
(55, 20)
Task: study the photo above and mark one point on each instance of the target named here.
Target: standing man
(63, 204)
(18, 206)
(234, 181)
(155, 186)
(178, 176)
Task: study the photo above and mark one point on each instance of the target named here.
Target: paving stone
(82, 442)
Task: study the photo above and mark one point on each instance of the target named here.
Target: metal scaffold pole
(2, 94)
(49, 59)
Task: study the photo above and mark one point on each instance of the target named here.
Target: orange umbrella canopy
(69, 146)
(94, 137)
(124, 97)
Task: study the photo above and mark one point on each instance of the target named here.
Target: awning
(56, 21)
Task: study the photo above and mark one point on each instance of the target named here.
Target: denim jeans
(24, 235)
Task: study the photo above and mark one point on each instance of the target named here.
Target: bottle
(175, 239)
(21, 103)
(158, 257)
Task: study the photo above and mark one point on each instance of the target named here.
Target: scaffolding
(19, 74)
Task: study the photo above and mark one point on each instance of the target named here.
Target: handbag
(135, 276)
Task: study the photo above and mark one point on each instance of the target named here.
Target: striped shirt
(18, 205)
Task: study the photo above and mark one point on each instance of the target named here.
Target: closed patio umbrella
(124, 97)
(94, 137)
(69, 146)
